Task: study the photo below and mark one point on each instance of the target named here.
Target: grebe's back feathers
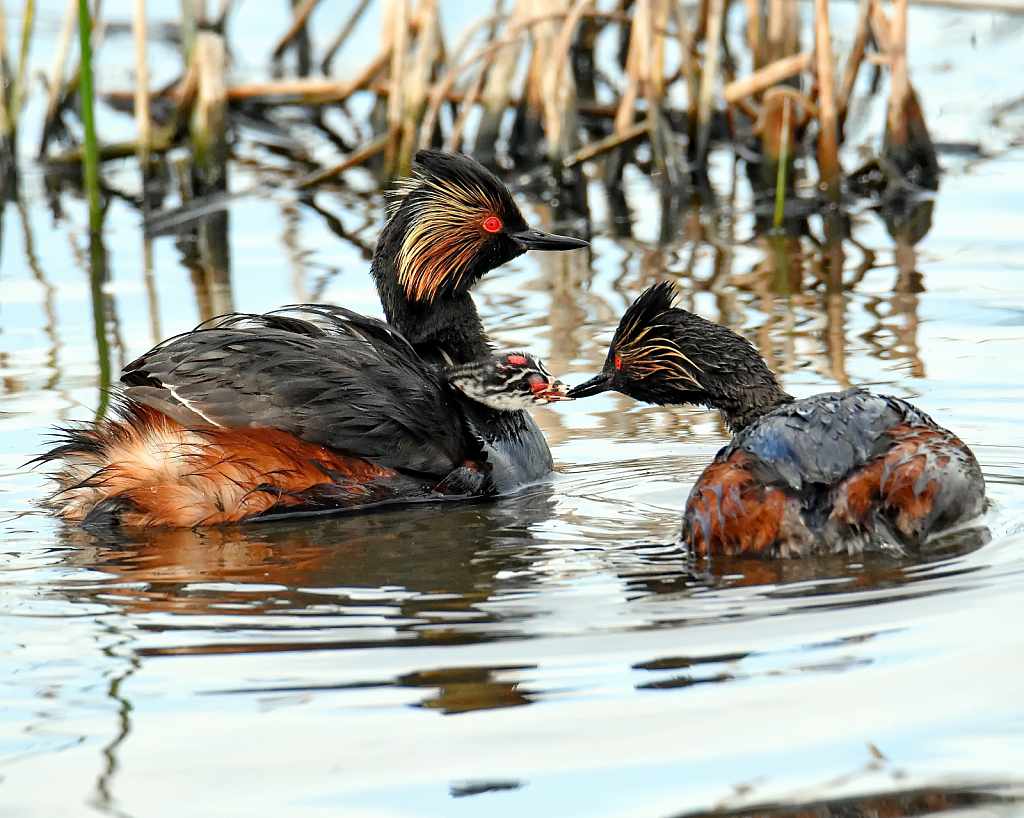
(324, 374)
(819, 440)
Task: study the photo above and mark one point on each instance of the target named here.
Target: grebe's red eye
(517, 360)
(618, 362)
(492, 224)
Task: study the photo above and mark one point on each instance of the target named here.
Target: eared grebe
(325, 393)
(260, 415)
(839, 472)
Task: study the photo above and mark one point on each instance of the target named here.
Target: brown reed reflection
(981, 798)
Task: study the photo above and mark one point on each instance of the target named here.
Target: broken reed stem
(780, 178)
(828, 139)
(343, 35)
(608, 143)
(141, 82)
(91, 169)
(354, 160)
(765, 78)
(299, 17)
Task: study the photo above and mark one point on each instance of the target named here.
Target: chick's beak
(550, 390)
(596, 385)
(538, 240)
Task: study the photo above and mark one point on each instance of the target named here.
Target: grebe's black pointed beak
(538, 240)
(596, 385)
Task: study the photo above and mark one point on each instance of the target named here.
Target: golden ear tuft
(444, 235)
(646, 354)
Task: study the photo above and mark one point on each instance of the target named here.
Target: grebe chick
(839, 472)
(507, 382)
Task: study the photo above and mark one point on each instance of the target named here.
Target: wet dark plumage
(839, 472)
(316, 407)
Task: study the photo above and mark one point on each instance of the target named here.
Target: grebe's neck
(748, 403)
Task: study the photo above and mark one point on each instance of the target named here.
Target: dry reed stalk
(209, 114)
(754, 32)
(443, 89)
(452, 143)
(558, 87)
(6, 124)
(498, 87)
(141, 81)
(473, 94)
(897, 52)
(394, 38)
(829, 169)
(783, 29)
(60, 58)
(427, 26)
(300, 14)
(152, 297)
(540, 115)
(659, 24)
(765, 78)
(18, 94)
(699, 155)
(343, 35)
(284, 92)
(639, 37)
(685, 37)
(854, 60)
(193, 12)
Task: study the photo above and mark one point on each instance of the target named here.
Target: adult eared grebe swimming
(839, 472)
(259, 414)
(305, 401)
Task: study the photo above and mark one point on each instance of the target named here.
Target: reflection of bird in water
(318, 407)
(405, 558)
(839, 472)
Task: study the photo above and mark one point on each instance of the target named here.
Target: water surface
(551, 653)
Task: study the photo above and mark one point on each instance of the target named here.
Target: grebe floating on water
(839, 472)
(318, 407)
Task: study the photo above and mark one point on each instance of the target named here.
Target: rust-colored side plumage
(153, 471)
(456, 212)
(902, 483)
(896, 498)
(732, 512)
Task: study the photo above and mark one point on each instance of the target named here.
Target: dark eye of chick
(523, 386)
